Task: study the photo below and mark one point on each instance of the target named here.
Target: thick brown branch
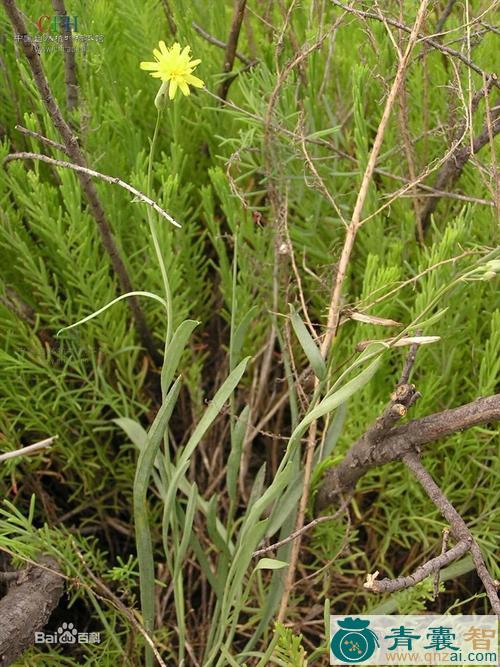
(73, 149)
(421, 573)
(232, 43)
(401, 440)
(26, 607)
(458, 526)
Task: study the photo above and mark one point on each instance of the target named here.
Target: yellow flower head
(174, 67)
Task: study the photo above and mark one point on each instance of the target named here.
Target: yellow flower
(174, 67)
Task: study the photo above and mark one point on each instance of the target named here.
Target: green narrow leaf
(186, 530)
(228, 657)
(134, 430)
(329, 403)
(286, 504)
(257, 486)
(308, 345)
(239, 335)
(270, 564)
(204, 424)
(323, 133)
(332, 435)
(213, 533)
(204, 563)
(174, 351)
(233, 463)
(141, 516)
(31, 514)
(150, 295)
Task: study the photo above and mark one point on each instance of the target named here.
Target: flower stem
(159, 256)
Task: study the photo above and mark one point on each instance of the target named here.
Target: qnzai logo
(66, 633)
(354, 642)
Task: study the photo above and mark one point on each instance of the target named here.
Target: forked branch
(458, 526)
(402, 440)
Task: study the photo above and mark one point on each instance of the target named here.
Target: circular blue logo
(354, 642)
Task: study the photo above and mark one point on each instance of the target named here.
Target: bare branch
(30, 449)
(232, 43)
(355, 223)
(451, 170)
(421, 37)
(458, 526)
(91, 172)
(41, 138)
(69, 57)
(222, 45)
(444, 548)
(409, 363)
(421, 573)
(170, 18)
(401, 440)
(446, 12)
(304, 529)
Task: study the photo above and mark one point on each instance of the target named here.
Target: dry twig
(96, 174)
(41, 138)
(446, 13)
(421, 573)
(421, 37)
(30, 449)
(444, 547)
(458, 526)
(354, 225)
(222, 45)
(170, 18)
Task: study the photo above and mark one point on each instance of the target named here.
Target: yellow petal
(194, 81)
(184, 87)
(193, 63)
(148, 66)
(176, 49)
(172, 89)
(157, 54)
(163, 48)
